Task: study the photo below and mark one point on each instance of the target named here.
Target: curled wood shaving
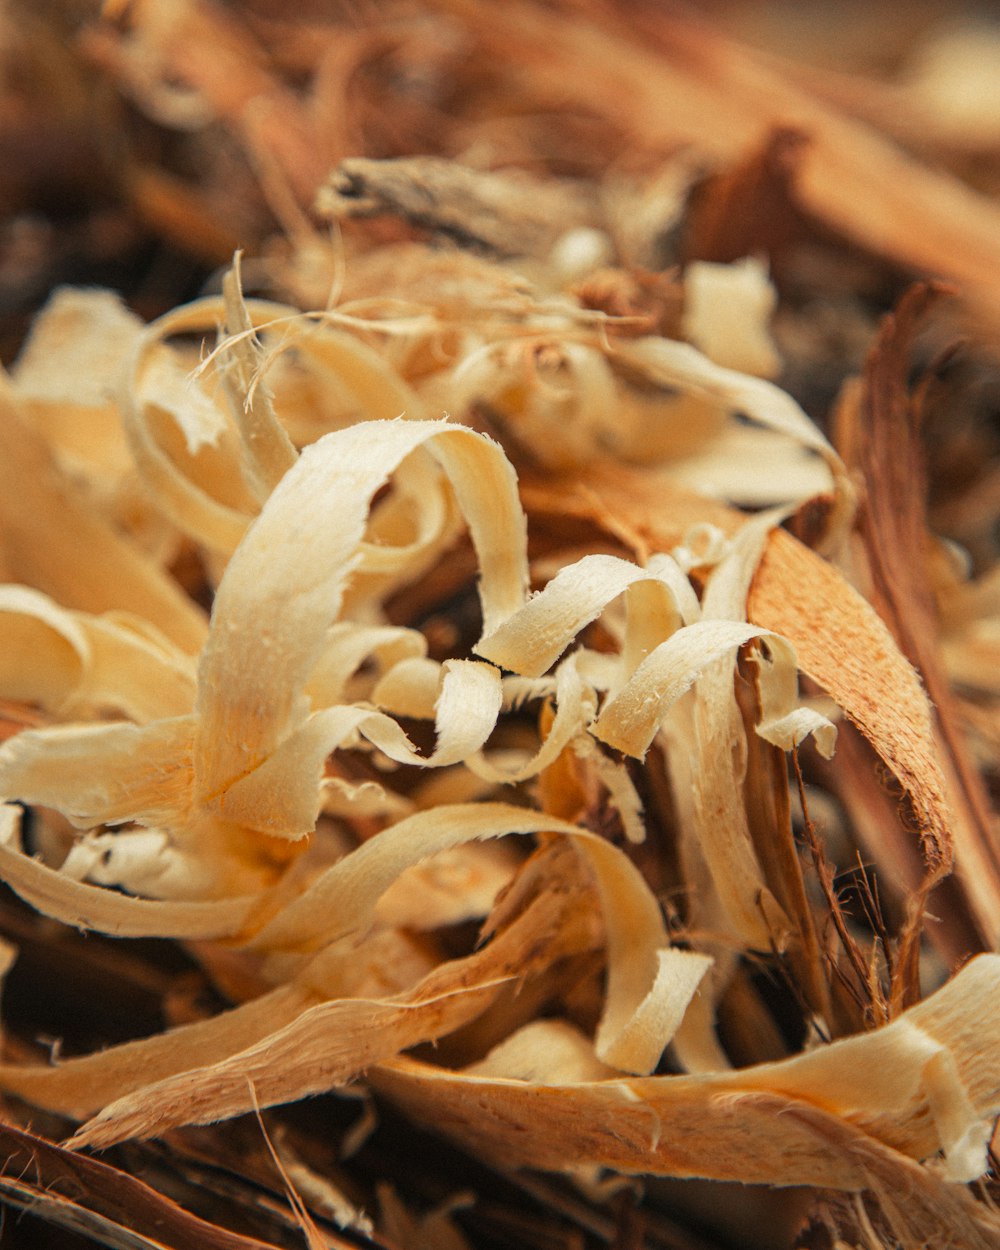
(726, 312)
(55, 541)
(362, 716)
(847, 649)
(254, 789)
(700, 1126)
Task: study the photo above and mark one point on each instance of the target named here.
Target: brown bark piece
(879, 436)
(507, 214)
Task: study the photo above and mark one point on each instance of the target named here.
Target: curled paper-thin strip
(885, 1085)
(649, 984)
(634, 1028)
(533, 640)
(91, 907)
(629, 721)
(52, 539)
(679, 364)
(307, 1046)
(261, 799)
(75, 664)
(245, 714)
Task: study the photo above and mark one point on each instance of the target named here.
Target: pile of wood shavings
(487, 782)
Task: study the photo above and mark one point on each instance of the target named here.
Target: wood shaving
(475, 655)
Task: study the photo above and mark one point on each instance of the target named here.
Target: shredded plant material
(514, 650)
